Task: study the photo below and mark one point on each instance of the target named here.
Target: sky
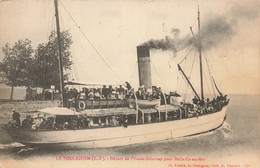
(229, 29)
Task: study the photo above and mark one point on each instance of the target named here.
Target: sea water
(236, 143)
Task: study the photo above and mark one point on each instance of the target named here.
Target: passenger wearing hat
(139, 93)
(128, 86)
(105, 91)
(91, 94)
(120, 92)
(149, 93)
(110, 91)
(38, 119)
(97, 93)
(16, 117)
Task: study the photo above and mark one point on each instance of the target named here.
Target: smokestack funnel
(144, 67)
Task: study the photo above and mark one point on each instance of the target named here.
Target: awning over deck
(87, 84)
(108, 112)
(148, 110)
(157, 108)
(162, 108)
(58, 111)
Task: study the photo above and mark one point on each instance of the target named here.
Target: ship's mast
(59, 52)
(199, 48)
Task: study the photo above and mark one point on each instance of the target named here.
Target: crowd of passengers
(98, 93)
(70, 122)
(111, 93)
(200, 107)
(215, 104)
(149, 93)
(186, 110)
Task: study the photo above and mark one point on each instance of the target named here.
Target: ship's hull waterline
(120, 136)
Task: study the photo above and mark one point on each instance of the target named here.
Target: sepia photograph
(130, 83)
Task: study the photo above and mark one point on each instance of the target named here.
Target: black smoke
(215, 30)
(167, 43)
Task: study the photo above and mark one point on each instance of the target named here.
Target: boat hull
(120, 136)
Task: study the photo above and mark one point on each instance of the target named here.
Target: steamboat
(131, 117)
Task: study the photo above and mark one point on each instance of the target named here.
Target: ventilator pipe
(165, 102)
(136, 105)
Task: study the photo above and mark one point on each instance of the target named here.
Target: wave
(20, 147)
(11, 145)
(26, 150)
(225, 130)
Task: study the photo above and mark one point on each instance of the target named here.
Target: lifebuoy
(82, 105)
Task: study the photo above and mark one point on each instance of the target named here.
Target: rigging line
(194, 22)
(74, 69)
(174, 74)
(48, 24)
(207, 82)
(186, 89)
(206, 58)
(184, 67)
(187, 76)
(211, 80)
(177, 82)
(186, 82)
(192, 66)
(72, 75)
(159, 76)
(190, 72)
(90, 42)
(84, 51)
(133, 73)
(180, 88)
(191, 26)
(185, 92)
(186, 55)
(52, 27)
